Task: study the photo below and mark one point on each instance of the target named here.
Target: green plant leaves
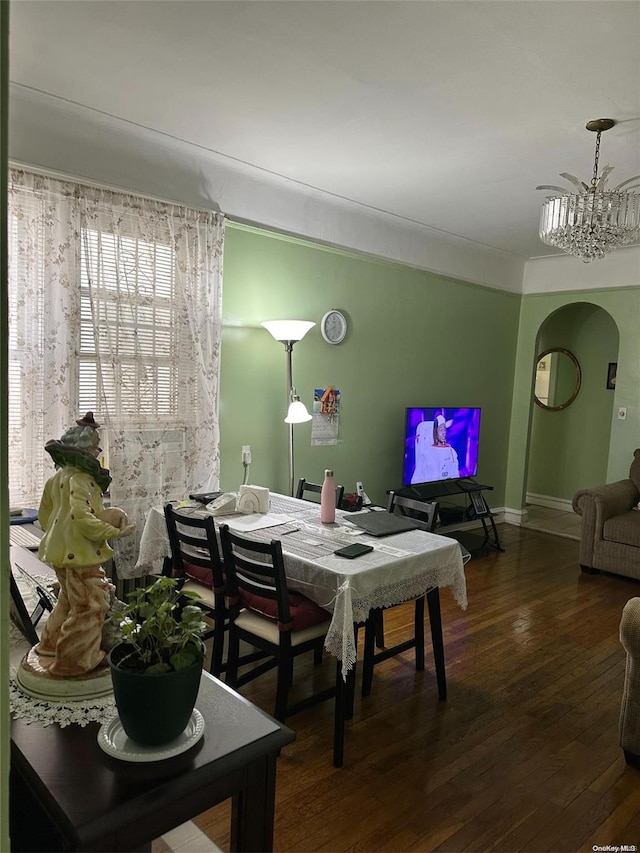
(164, 630)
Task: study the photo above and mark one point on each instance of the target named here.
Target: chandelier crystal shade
(594, 221)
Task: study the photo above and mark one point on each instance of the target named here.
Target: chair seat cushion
(304, 612)
(201, 574)
(623, 528)
(204, 593)
(255, 623)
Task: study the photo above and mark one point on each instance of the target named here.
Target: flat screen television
(440, 444)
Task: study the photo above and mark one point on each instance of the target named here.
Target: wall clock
(334, 326)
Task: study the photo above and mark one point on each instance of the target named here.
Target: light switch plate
(622, 413)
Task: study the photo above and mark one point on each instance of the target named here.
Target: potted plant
(156, 668)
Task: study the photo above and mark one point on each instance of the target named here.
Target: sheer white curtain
(115, 307)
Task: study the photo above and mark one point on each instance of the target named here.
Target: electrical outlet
(622, 413)
(246, 454)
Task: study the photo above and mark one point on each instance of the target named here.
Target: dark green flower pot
(153, 709)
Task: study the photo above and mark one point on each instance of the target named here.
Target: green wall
(569, 449)
(616, 443)
(415, 338)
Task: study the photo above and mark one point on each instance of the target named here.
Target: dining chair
(281, 622)
(424, 514)
(19, 614)
(304, 486)
(37, 594)
(195, 562)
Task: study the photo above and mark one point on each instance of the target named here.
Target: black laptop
(378, 523)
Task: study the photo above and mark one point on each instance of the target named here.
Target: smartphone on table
(352, 551)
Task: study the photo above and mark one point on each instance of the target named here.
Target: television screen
(440, 444)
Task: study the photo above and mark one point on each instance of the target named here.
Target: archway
(569, 448)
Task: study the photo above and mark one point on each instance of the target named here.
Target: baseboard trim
(515, 516)
(553, 503)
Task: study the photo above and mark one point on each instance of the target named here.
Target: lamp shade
(297, 413)
(288, 330)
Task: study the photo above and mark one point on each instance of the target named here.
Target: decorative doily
(64, 713)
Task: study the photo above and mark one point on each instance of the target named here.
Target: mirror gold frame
(576, 385)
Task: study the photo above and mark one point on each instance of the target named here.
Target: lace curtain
(114, 307)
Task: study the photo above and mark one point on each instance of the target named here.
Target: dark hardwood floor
(523, 755)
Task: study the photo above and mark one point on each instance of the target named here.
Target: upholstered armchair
(610, 535)
(630, 710)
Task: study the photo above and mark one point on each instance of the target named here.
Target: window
(132, 309)
(115, 306)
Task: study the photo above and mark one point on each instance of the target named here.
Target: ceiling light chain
(594, 180)
(592, 222)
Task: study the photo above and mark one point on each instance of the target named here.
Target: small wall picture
(611, 375)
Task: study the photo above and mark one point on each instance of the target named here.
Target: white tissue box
(253, 499)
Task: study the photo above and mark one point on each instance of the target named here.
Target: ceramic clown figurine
(77, 528)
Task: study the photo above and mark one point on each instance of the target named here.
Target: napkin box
(253, 499)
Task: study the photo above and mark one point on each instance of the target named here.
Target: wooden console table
(67, 794)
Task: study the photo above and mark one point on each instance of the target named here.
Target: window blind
(130, 311)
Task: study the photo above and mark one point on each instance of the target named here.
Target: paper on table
(255, 521)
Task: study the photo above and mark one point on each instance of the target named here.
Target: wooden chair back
(423, 513)
(194, 545)
(195, 562)
(304, 486)
(256, 568)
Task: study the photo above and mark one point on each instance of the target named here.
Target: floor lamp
(289, 332)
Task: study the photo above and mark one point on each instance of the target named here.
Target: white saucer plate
(113, 739)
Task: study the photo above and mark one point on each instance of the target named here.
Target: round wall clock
(334, 326)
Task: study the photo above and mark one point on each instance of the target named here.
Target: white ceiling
(446, 113)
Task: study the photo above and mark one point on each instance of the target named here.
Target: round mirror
(558, 379)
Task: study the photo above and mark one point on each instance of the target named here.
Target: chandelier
(593, 221)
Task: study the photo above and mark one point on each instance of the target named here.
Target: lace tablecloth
(399, 568)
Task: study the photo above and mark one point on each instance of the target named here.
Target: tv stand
(475, 507)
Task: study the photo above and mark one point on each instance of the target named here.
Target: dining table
(399, 568)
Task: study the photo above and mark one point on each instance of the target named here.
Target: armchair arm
(596, 506)
(613, 499)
